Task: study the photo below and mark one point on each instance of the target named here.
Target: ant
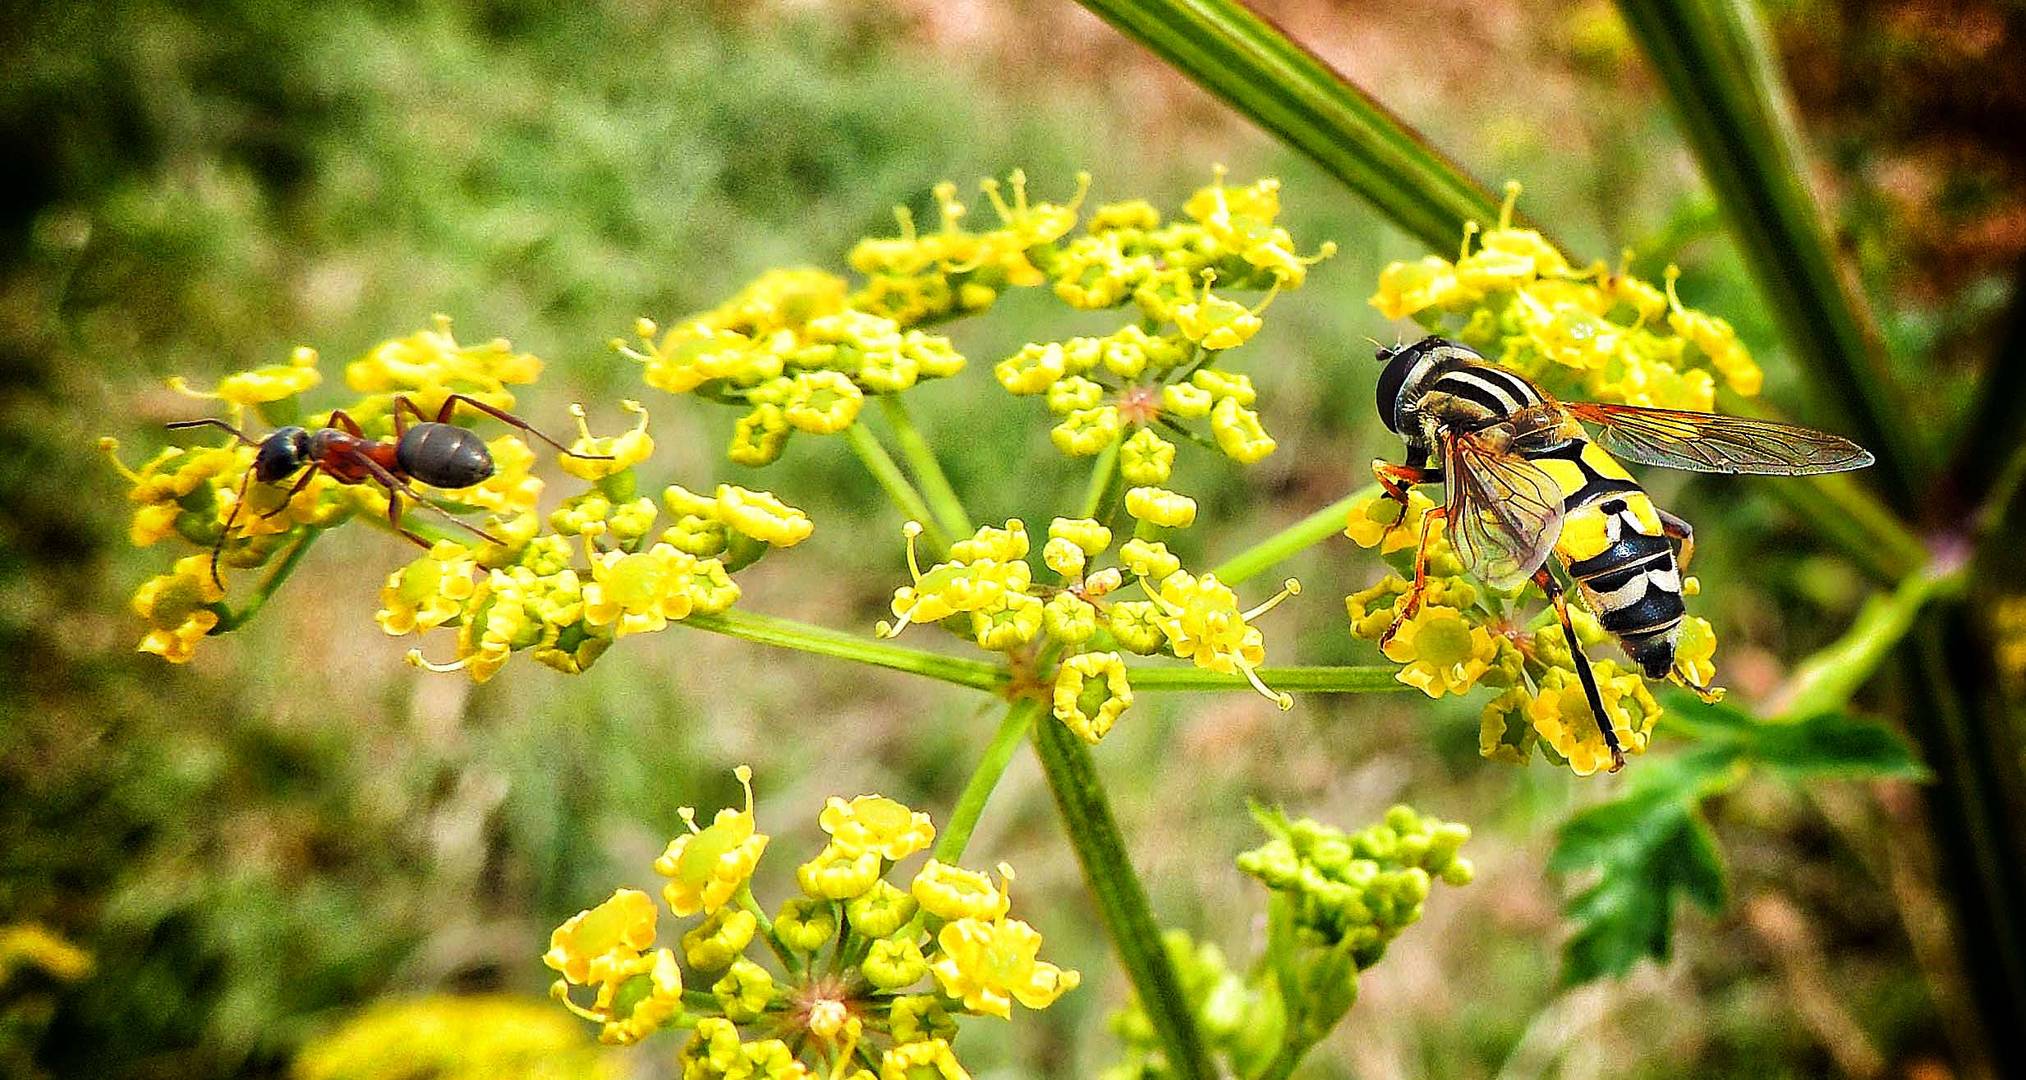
(436, 452)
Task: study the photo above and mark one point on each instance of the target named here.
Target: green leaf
(1721, 73)
(1835, 745)
(1287, 90)
(1644, 848)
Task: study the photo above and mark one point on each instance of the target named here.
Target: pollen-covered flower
(1379, 522)
(1561, 714)
(1159, 506)
(1444, 652)
(429, 365)
(1203, 624)
(428, 592)
(604, 945)
(987, 576)
(991, 964)
(839, 872)
(594, 457)
(177, 608)
(261, 385)
(708, 867)
(877, 824)
(1216, 323)
(1091, 691)
(930, 1059)
(952, 892)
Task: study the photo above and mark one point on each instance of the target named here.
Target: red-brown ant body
(433, 451)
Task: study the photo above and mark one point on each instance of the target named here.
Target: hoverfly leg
(1413, 597)
(1683, 535)
(1582, 663)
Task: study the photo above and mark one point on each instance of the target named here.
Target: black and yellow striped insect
(1525, 482)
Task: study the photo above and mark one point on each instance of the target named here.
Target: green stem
(1104, 474)
(1121, 899)
(229, 620)
(822, 641)
(782, 952)
(942, 498)
(1826, 680)
(1293, 540)
(1311, 680)
(956, 834)
(895, 483)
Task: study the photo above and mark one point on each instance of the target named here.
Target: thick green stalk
(896, 485)
(963, 820)
(1367, 679)
(1293, 540)
(935, 486)
(1289, 91)
(822, 641)
(1121, 900)
(1720, 72)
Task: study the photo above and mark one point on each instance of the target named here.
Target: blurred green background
(256, 846)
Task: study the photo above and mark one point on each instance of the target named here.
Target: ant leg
(451, 402)
(293, 491)
(1420, 585)
(339, 418)
(396, 488)
(403, 406)
(1683, 535)
(1583, 673)
(184, 425)
(225, 533)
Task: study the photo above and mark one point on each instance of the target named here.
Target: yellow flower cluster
(988, 578)
(530, 590)
(1463, 636)
(1161, 371)
(793, 349)
(860, 957)
(1591, 333)
(446, 1037)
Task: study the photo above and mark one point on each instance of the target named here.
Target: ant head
(283, 453)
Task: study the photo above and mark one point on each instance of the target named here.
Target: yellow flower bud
(1159, 506)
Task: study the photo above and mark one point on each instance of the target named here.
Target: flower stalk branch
(821, 641)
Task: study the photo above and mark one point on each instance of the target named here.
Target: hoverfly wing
(1713, 443)
(1505, 512)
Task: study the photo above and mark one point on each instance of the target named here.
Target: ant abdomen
(443, 455)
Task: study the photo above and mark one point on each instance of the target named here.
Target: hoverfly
(1525, 482)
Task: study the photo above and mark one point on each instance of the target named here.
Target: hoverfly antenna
(1380, 351)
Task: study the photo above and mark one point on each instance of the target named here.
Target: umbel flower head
(1589, 333)
(868, 963)
(562, 594)
(1154, 377)
(1581, 333)
(988, 579)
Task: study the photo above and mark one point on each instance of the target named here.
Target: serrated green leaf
(1645, 849)
(1825, 744)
